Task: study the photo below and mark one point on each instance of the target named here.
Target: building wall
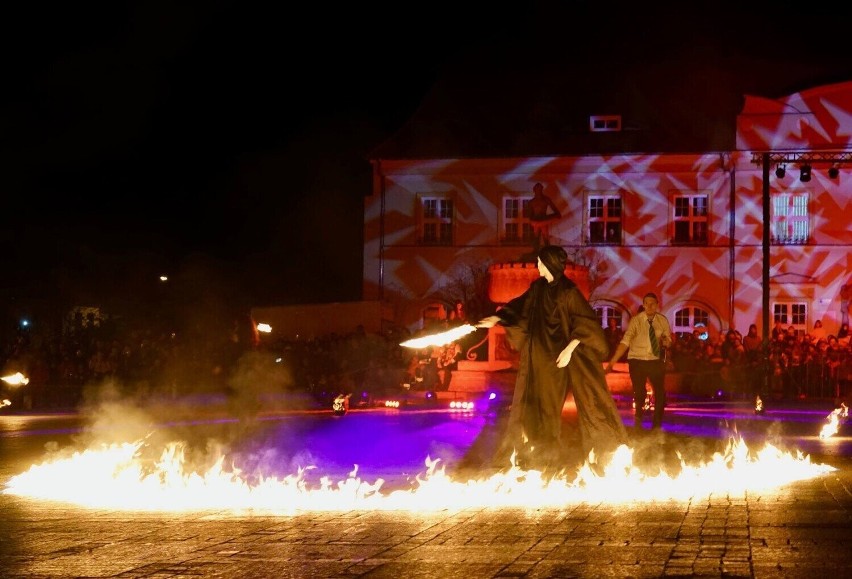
(722, 277)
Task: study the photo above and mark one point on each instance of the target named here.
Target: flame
(5, 402)
(16, 379)
(439, 339)
(116, 476)
(648, 403)
(833, 425)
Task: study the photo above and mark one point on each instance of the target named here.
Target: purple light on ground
(391, 445)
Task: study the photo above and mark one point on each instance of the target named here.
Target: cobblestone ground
(801, 530)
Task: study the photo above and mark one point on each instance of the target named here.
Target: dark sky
(230, 139)
(223, 136)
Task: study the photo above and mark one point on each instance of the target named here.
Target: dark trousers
(642, 371)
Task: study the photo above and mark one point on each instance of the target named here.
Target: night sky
(224, 138)
(227, 143)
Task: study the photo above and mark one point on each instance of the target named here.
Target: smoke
(112, 416)
(774, 434)
(205, 426)
(257, 383)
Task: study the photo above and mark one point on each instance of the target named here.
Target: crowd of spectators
(800, 365)
(362, 364)
(61, 366)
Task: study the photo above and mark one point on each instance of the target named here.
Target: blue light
(492, 395)
(25, 322)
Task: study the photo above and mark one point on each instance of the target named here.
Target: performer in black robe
(562, 346)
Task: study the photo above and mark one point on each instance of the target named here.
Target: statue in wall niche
(542, 213)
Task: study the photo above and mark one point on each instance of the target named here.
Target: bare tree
(594, 264)
(470, 285)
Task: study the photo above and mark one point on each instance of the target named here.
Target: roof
(683, 101)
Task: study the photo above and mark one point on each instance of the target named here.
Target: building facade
(686, 225)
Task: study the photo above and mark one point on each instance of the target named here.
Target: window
(604, 219)
(689, 222)
(790, 220)
(604, 123)
(791, 313)
(436, 222)
(605, 313)
(516, 224)
(688, 319)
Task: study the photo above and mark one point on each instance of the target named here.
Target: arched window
(606, 311)
(690, 318)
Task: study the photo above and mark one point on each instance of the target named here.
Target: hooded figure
(554, 258)
(561, 345)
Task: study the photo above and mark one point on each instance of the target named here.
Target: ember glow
(116, 477)
(440, 339)
(16, 379)
(833, 419)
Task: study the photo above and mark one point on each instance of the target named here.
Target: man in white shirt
(645, 340)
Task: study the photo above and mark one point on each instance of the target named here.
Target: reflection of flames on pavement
(833, 419)
(117, 477)
(648, 403)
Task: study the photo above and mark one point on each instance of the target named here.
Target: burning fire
(439, 339)
(116, 477)
(16, 379)
(833, 419)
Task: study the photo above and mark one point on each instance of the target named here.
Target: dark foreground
(803, 529)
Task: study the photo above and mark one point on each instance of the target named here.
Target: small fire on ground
(16, 379)
(117, 477)
(833, 421)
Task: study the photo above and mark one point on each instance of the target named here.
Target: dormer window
(604, 123)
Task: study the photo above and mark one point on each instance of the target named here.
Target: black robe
(540, 324)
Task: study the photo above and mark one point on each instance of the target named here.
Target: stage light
(833, 172)
(805, 175)
(780, 171)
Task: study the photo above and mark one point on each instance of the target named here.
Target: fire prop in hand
(440, 339)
